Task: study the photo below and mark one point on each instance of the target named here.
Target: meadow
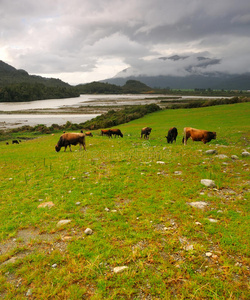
(135, 196)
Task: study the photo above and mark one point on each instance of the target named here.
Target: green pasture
(134, 194)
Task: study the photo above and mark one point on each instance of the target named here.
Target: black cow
(15, 142)
(172, 135)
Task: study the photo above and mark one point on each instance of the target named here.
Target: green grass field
(134, 194)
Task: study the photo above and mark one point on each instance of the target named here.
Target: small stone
(208, 182)
(209, 254)
(198, 204)
(234, 157)
(46, 204)
(67, 238)
(177, 172)
(63, 222)
(120, 269)
(160, 162)
(211, 151)
(245, 154)
(212, 220)
(54, 266)
(78, 203)
(29, 292)
(222, 156)
(88, 231)
(188, 247)
(113, 210)
(106, 209)
(198, 223)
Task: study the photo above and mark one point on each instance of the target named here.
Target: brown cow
(104, 132)
(146, 132)
(198, 135)
(172, 135)
(88, 133)
(68, 139)
(115, 132)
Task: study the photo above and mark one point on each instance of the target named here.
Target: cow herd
(68, 139)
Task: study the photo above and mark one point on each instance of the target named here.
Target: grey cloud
(74, 36)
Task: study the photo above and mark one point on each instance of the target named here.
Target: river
(17, 114)
(47, 112)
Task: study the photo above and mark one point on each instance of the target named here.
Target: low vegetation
(135, 196)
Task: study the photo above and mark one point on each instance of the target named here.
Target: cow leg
(65, 147)
(70, 148)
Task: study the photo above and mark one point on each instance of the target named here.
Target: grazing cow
(198, 135)
(146, 132)
(172, 135)
(115, 132)
(15, 142)
(68, 139)
(88, 133)
(104, 132)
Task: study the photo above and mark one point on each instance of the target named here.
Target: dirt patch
(32, 240)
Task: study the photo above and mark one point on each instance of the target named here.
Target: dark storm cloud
(90, 40)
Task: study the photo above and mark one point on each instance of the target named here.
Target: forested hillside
(18, 85)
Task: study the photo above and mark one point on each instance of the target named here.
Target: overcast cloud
(82, 41)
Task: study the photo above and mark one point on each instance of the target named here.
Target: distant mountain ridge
(10, 75)
(184, 72)
(212, 81)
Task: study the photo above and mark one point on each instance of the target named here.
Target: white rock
(120, 269)
(245, 154)
(78, 203)
(106, 209)
(234, 157)
(54, 266)
(88, 231)
(29, 292)
(212, 220)
(188, 247)
(177, 172)
(198, 223)
(160, 162)
(209, 254)
(222, 156)
(211, 151)
(63, 222)
(208, 182)
(198, 204)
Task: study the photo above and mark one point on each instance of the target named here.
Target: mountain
(221, 81)
(10, 75)
(18, 85)
(183, 72)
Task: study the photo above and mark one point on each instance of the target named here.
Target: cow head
(57, 148)
(212, 135)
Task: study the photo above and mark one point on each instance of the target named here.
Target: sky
(81, 41)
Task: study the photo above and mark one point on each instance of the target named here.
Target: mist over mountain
(183, 72)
